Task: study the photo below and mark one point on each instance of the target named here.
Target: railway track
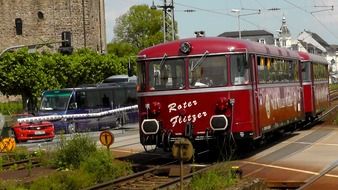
(333, 95)
(21, 164)
(159, 177)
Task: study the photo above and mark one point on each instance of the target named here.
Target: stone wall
(44, 21)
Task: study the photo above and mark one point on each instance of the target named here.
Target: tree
(23, 74)
(140, 26)
(121, 49)
(29, 75)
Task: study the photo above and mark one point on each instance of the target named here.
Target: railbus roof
(304, 56)
(216, 45)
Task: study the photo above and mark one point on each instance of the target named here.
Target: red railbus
(213, 88)
(315, 84)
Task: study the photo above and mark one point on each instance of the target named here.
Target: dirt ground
(26, 176)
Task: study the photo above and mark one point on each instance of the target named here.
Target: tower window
(18, 26)
(40, 15)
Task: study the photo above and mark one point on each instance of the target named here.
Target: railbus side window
(306, 75)
(319, 72)
(141, 76)
(207, 71)
(240, 70)
(261, 70)
(296, 71)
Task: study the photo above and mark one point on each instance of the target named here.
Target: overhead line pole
(169, 29)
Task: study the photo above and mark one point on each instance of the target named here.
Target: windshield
(55, 100)
(166, 74)
(207, 71)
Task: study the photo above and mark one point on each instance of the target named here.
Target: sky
(215, 16)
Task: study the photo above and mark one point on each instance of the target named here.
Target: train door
(309, 66)
(255, 95)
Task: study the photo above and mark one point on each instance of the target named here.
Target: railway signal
(183, 151)
(106, 138)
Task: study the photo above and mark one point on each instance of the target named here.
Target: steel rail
(34, 161)
(112, 183)
(321, 174)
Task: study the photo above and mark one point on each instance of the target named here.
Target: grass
(219, 177)
(9, 108)
(333, 86)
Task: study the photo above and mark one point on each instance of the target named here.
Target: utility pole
(168, 19)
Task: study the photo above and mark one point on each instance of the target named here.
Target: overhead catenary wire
(320, 22)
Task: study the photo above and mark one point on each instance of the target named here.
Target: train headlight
(150, 126)
(218, 122)
(185, 47)
(222, 104)
(155, 108)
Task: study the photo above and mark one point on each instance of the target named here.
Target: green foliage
(220, 177)
(11, 185)
(140, 26)
(103, 167)
(20, 153)
(9, 108)
(28, 75)
(70, 180)
(72, 152)
(333, 86)
(121, 49)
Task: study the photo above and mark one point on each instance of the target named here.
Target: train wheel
(225, 147)
(166, 141)
(147, 143)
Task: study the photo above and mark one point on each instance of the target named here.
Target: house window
(261, 40)
(18, 26)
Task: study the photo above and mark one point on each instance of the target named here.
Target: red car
(33, 130)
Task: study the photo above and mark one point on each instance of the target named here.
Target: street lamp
(238, 21)
(238, 12)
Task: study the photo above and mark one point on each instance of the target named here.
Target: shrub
(102, 166)
(70, 153)
(220, 177)
(70, 180)
(11, 185)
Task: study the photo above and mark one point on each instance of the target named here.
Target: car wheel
(11, 133)
(49, 140)
(71, 128)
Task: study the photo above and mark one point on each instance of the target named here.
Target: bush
(72, 152)
(220, 177)
(11, 185)
(102, 166)
(67, 180)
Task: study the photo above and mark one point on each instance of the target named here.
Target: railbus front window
(167, 74)
(207, 71)
(240, 70)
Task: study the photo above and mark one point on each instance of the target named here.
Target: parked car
(25, 131)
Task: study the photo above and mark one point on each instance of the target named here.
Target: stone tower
(26, 22)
